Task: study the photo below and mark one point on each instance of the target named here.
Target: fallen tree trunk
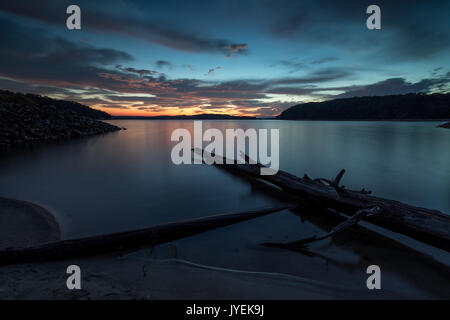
(428, 226)
(123, 241)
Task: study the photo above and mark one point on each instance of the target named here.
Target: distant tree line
(394, 107)
(185, 117)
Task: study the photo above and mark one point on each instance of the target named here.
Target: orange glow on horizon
(166, 111)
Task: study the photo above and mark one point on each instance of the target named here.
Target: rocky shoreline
(22, 124)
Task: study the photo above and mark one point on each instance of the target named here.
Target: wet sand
(24, 224)
(110, 277)
(168, 271)
(133, 277)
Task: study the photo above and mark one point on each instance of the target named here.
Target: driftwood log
(130, 240)
(428, 226)
(354, 219)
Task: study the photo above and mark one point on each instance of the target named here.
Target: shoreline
(145, 278)
(23, 224)
(160, 273)
(25, 124)
(107, 277)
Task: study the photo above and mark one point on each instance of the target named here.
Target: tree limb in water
(428, 226)
(361, 214)
(129, 240)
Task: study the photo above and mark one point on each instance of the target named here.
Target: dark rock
(445, 125)
(33, 123)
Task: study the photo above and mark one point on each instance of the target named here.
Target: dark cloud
(151, 109)
(298, 91)
(19, 86)
(37, 57)
(237, 48)
(318, 76)
(163, 64)
(389, 86)
(99, 20)
(397, 86)
(323, 60)
(116, 106)
(211, 71)
(140, 72)
(291, 65)
(157, 33)
(411, 30)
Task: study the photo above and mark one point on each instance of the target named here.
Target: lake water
(126, 180)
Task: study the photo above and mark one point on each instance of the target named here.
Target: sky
(254, 57)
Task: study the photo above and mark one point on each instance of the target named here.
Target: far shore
(274, 118)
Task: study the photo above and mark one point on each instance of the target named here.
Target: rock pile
(31, 123)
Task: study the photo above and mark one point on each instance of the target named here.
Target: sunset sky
(234, 57)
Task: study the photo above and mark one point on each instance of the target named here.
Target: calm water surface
(126, 180)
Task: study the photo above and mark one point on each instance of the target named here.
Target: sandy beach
(111, 277)
(133, 277)
(24, 224)
(129, 277)
(148, 274)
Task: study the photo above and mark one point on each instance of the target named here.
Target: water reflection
(126, 180)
